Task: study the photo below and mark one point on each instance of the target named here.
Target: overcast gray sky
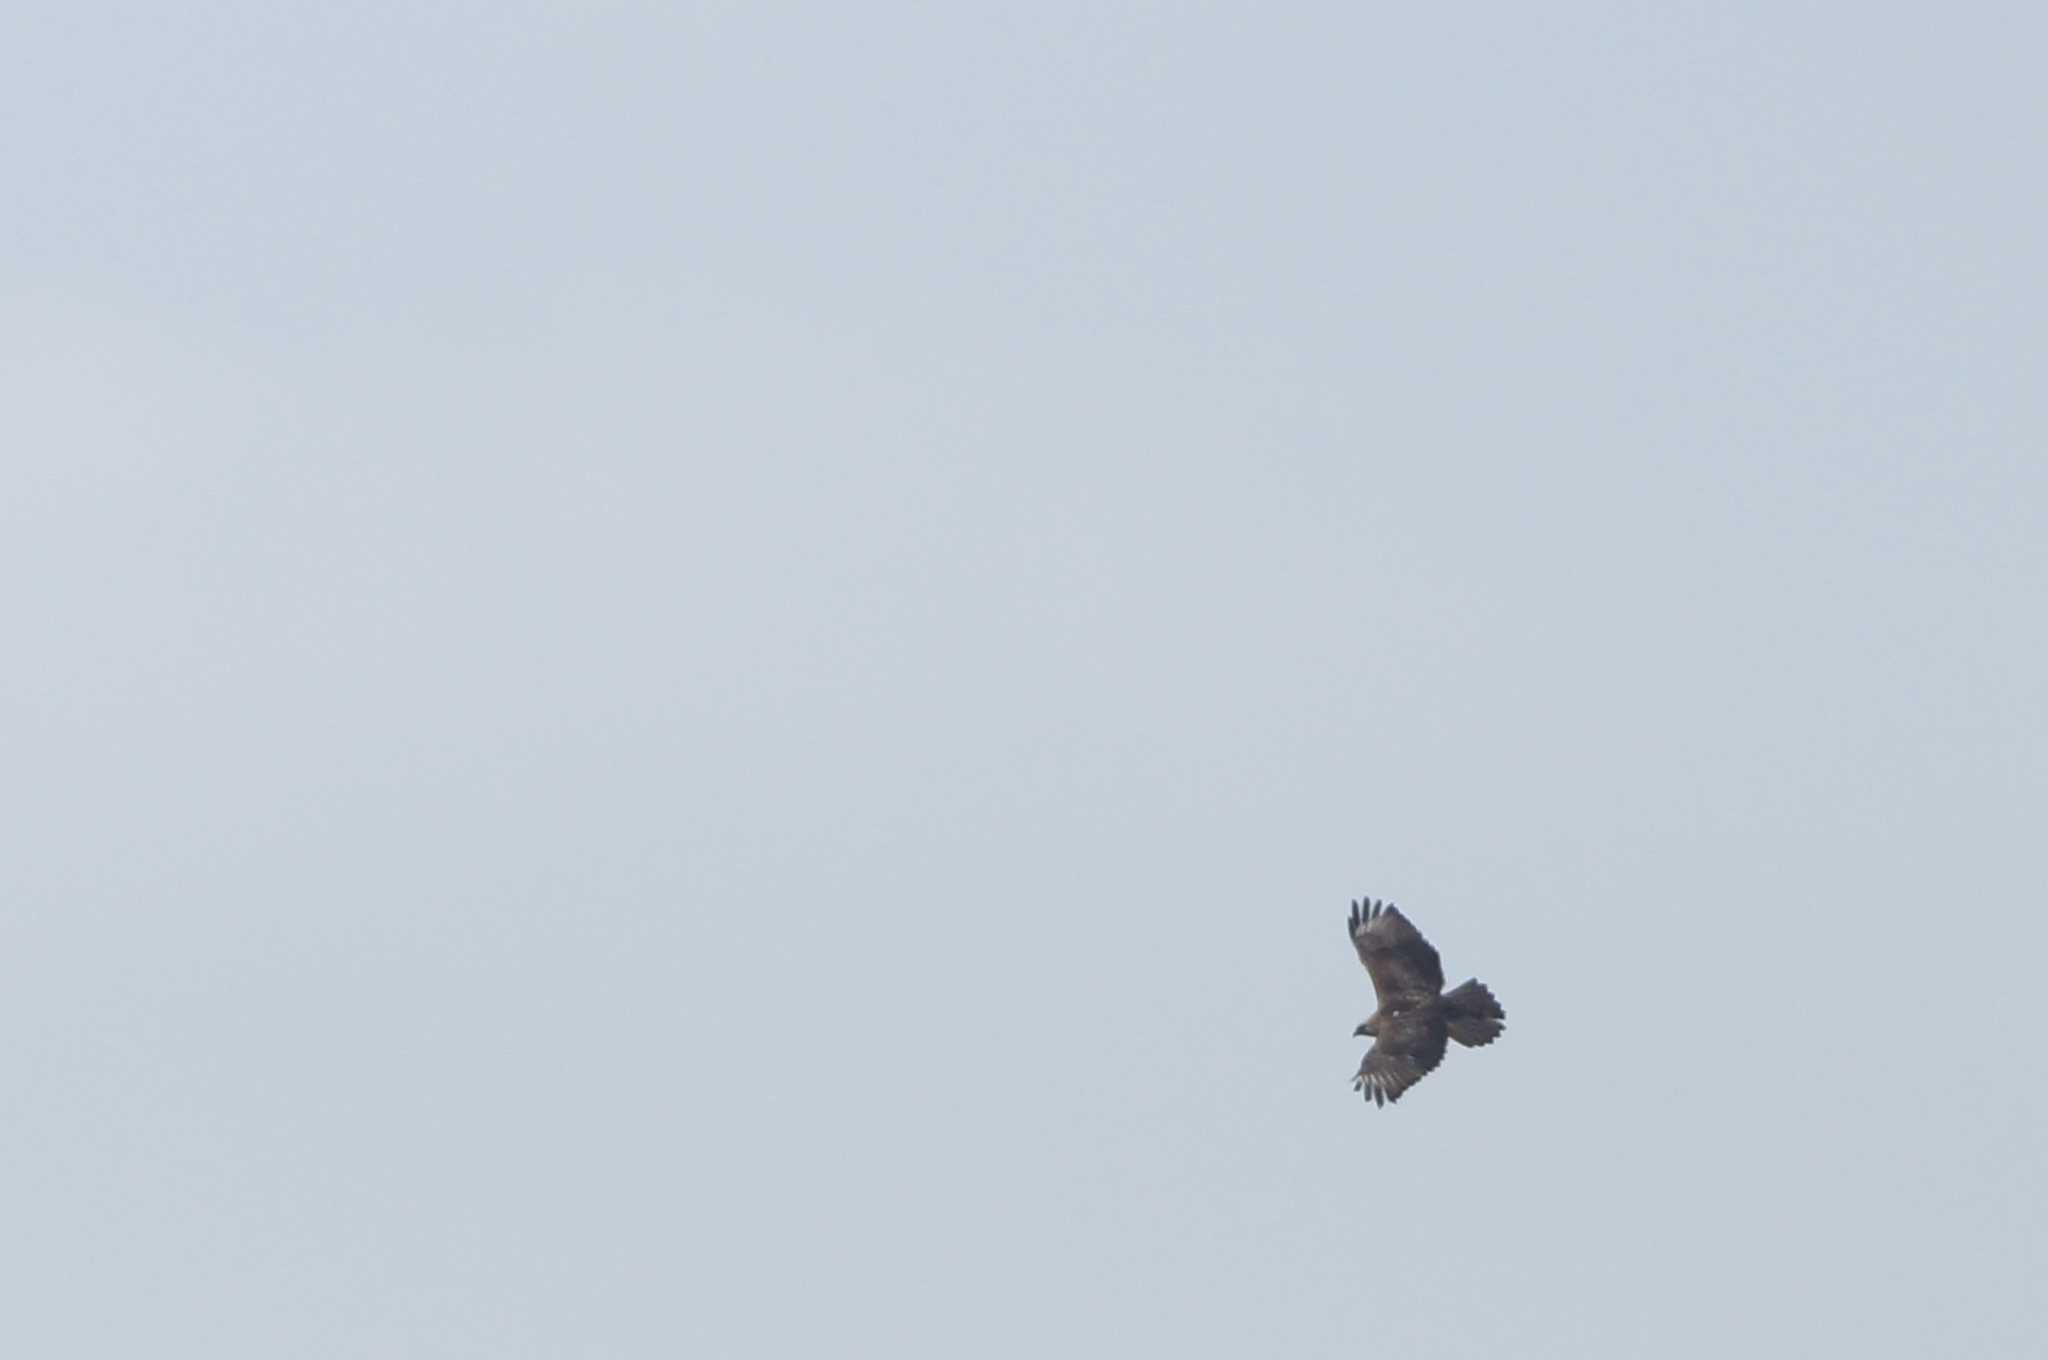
(708, 680)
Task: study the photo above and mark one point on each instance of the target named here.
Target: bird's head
(1369, 1030)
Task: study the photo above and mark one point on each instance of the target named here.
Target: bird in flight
(1416, 1016)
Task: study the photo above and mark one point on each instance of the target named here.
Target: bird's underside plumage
(1416, 1019)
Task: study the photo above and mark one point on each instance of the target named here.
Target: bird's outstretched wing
(1401, 962)
(1408, 1049)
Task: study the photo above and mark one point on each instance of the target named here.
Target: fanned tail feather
(1475, 1018)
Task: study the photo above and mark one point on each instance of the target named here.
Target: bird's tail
(1474, 1016)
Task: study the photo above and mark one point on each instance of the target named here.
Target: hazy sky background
(708, 680)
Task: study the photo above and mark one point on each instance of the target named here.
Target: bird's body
(1416, 1019)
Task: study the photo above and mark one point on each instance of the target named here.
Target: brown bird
(1416, 1016)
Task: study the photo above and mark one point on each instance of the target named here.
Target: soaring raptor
(1416, 1015)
